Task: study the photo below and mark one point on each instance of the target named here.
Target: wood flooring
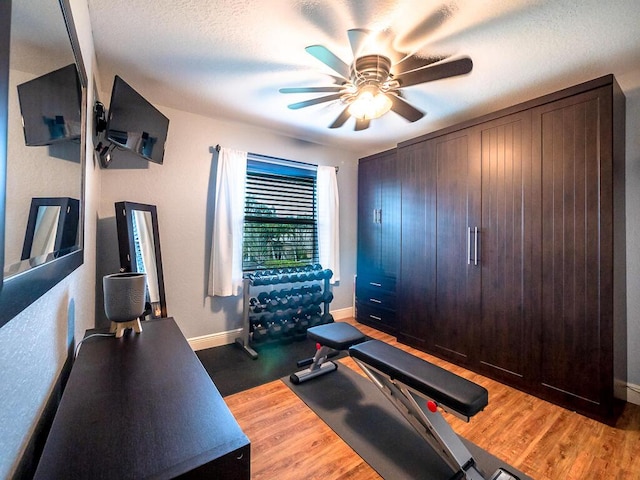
(547, 442)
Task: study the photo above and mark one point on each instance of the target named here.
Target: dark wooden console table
(143, 406)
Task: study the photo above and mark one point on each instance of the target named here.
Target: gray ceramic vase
(124, 295)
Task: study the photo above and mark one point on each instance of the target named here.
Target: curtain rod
(218, 147)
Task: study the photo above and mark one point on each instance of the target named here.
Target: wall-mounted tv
(133, 123)
(51, 107)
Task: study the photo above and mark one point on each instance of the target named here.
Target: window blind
(280, 224)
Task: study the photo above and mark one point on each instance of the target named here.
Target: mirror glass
(145, 251)
(46, 230)
(43, 44)
(139, 247)
(39, 45)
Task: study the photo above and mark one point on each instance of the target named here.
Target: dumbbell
(315, 320)
(274, 330)
(288, 330)
(328, 296)
(328, 273)
(280, 316)
(273, 304)
(302, 324)
(327, 318)
(259, 334)
(306, 299)
(316, 298)
(293, 301)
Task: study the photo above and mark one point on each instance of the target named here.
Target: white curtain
(225, 273)
(328, 220)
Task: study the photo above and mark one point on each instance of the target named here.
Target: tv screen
(133, 123)
(51, 107)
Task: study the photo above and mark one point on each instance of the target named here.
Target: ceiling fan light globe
(370, 104)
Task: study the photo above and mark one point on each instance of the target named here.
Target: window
(280, 216)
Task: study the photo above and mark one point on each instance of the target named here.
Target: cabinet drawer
(376, 282)
(376, 298)
(368, 314)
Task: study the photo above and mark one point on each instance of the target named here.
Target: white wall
(182, 189)
(33, 346)
(632, 93)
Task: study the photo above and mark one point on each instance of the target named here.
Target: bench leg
(319, 366)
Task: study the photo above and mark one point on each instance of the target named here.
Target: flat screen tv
(51, 107)
(133, 123)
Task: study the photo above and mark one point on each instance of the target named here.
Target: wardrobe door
(417, 280)
(368, 206)
(510, 225)
(458, 231)
(577, 263)
(378, 214)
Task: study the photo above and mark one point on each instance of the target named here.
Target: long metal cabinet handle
(475, 254)
(379, 215)
(375, 215)
(468, 245)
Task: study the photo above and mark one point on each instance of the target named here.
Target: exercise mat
(362, 416)
(233, 371)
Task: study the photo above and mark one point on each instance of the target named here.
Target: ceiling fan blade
(343, 117)
(314, 101)
(357, 38)
(414, 62)
(436, 72)
(362, 124)
(404, 109)
(310, 89)
(329, 59)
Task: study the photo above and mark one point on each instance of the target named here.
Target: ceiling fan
(371, 85)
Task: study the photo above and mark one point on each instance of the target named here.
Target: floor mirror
(139, 248)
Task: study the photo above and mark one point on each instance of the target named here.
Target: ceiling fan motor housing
(370, 69)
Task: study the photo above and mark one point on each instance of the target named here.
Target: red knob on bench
(318, 346)
(432, 406)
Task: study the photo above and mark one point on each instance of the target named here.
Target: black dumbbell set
(283, 315)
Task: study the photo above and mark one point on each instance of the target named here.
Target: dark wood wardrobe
(510, 244)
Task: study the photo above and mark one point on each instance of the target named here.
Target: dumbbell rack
(281, 316)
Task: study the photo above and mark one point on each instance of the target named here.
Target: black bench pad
(338, 335)
(444, 387)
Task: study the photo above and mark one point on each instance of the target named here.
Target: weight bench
(414, 386)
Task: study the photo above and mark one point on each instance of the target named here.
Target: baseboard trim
(225, 338)
(633, 393)
(342, 313)
(214, 339)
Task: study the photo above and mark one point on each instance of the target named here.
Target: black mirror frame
(20, 291)
(67, 231)
(126, 243)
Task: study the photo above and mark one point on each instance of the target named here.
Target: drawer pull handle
(374, 284)
(375, 318)
(375, 300)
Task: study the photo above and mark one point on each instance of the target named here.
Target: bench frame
(431, 426)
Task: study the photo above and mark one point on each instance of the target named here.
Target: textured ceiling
(227, 59)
